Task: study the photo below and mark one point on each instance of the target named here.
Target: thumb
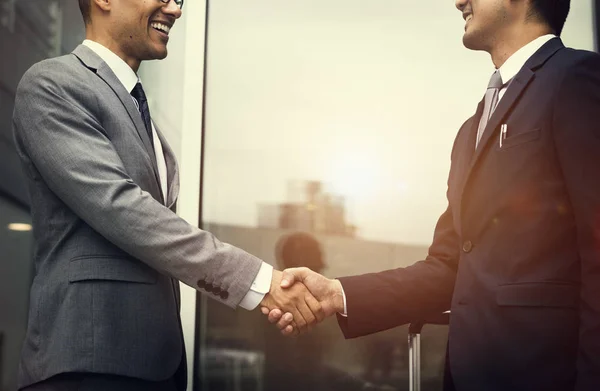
(290, 276)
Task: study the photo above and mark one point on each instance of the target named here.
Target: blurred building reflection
(315, 211)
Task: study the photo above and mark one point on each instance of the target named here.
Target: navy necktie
(140, 96)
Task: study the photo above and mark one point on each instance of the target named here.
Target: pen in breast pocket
(503, 130)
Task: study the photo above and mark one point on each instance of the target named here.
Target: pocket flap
(520, 138)
(110, 268)
(538, 295)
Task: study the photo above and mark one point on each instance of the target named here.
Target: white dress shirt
(127, 77)
(513, 65)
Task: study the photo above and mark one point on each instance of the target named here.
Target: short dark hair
(553, 12)
(84, 7)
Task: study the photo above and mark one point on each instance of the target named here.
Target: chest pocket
(520, 138)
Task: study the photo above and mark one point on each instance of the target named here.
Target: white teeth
(161, 27)
(469, 18)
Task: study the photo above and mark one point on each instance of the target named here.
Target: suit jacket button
(216, 290)
(224, 295)
(467, 246)
(208, 287)
(201, 284)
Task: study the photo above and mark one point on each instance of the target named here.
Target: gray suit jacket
(108, 251)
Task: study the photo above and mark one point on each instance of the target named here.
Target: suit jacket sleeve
(380, 301)
(58, 128)
(577, 138)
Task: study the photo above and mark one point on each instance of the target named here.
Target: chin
(471, 41)
(162, 55)
(159, 54)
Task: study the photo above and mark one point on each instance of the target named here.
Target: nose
(171, 8)
(461, 4)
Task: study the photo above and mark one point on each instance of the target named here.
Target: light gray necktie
(491, 101)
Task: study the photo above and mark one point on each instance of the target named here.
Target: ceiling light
(20, 227)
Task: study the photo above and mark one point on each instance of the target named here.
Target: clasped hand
(300, 298)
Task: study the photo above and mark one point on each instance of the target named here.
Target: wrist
(275, 280)
(338, 296)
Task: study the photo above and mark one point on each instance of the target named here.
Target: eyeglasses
(178, 2)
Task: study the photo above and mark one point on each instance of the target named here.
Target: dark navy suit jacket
(516, 255)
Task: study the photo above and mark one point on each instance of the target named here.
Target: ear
(103, 5)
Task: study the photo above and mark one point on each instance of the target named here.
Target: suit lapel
(467, 151)
(94, 62)
(172, 170)
(511, 97)
(109, 77)
(472, 136)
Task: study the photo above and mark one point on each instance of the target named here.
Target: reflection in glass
(247, 353)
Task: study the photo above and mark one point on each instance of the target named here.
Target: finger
(299, 322)
(287, 278)
(264, 310)
(308, 316)
(285, 320)
(295, 331)
(288, 331)
(299, 314)
(315, 307)
(294, 328)
(275, 315)
(291, 275)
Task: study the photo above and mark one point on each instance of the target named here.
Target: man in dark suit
(109, 249)
(516, 254)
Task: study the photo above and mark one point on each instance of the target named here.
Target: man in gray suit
(109, 249)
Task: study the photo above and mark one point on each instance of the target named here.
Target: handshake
(299, 298)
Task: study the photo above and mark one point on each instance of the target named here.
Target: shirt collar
(124, 73)
(513, 65)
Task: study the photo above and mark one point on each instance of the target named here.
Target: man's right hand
(302, 309)
(328, 292)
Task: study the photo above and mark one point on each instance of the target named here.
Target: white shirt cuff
(345, 313)
(260, 287)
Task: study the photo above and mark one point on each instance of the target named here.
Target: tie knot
(496, 81)
(138, 93)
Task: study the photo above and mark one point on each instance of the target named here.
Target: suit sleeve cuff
(260, 287)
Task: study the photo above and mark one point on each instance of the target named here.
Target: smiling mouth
(161, 27)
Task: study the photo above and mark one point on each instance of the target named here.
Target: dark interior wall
(25, 41)
(15, 278)
(34, 31)
(30, 31)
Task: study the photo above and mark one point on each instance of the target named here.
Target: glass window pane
(334, 118)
